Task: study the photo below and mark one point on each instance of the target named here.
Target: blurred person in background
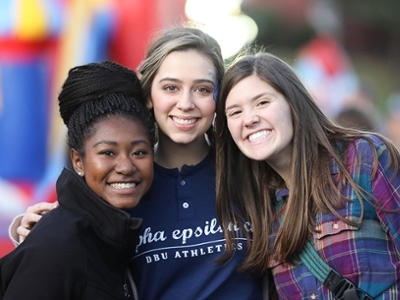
(353, 117)
(392, 125)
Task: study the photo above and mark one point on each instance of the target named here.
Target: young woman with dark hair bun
(81, 249)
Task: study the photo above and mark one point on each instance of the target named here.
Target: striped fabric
(368, 256)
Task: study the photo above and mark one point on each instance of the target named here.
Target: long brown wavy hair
(246, 188)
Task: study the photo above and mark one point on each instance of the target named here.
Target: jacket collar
(113, 226)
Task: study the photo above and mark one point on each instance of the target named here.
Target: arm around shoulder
(12, 230)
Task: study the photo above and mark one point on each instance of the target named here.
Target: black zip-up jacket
(79, 250)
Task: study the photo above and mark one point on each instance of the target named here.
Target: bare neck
(172, 155)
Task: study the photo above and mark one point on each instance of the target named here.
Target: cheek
(95, 166)
(95, 170)
(95, 182)
(161, 110)
(161, 102)
(160, 106)
(147, 170)
(208, 109)
(147, 166)
(233, 129)
(286, 129)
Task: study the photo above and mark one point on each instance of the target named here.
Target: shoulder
(367, 146)
(60, 245)
(38, 265)
(55, 239)
(44, 261)
(361, 152)
(371, 153)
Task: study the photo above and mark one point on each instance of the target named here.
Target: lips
(254, 137)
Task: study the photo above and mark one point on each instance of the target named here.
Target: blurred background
(346, 52)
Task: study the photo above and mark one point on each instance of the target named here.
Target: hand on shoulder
(32, 216)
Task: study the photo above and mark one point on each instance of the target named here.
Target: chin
(257, 157)
(124, 204)
(182, 140)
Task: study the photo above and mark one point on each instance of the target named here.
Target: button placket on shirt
(185, 204)
(184, 194)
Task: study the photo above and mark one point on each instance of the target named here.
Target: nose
(125, 165)
(250, 119)
(185, 101)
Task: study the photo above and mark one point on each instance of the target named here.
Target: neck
(283, 169)
(173, 155)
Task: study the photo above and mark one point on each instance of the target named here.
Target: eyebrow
(254, 98)
(113, 143)
(178, 80)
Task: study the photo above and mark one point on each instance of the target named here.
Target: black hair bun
(93, 81)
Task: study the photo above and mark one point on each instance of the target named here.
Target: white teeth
(121, 186)
(258, 135)
(183, 121)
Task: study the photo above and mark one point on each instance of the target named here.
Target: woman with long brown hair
(297, 177)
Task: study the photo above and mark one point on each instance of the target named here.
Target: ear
(149, 103)
(77, 162)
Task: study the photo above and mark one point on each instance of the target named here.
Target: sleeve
(38, 272)
(386, 190)
(12, 230)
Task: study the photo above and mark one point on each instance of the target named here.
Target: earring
(80, 173)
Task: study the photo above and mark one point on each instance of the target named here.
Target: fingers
(22, 233)
(41, 208)
(30, 219)
(32, 216)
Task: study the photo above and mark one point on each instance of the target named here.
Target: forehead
(248, 88)
(189, 64)
(118, 126)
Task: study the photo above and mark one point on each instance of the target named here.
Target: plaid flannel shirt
(368, 256)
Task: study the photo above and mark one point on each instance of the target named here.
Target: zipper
(127, 294)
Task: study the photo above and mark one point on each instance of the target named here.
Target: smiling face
(118, 161)
(182, 96)
(259, 120)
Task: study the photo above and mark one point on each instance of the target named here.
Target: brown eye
(263, 102)
(140, 152)
(107, 153)
(204, 90)
(170, 88)
(233, 113)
